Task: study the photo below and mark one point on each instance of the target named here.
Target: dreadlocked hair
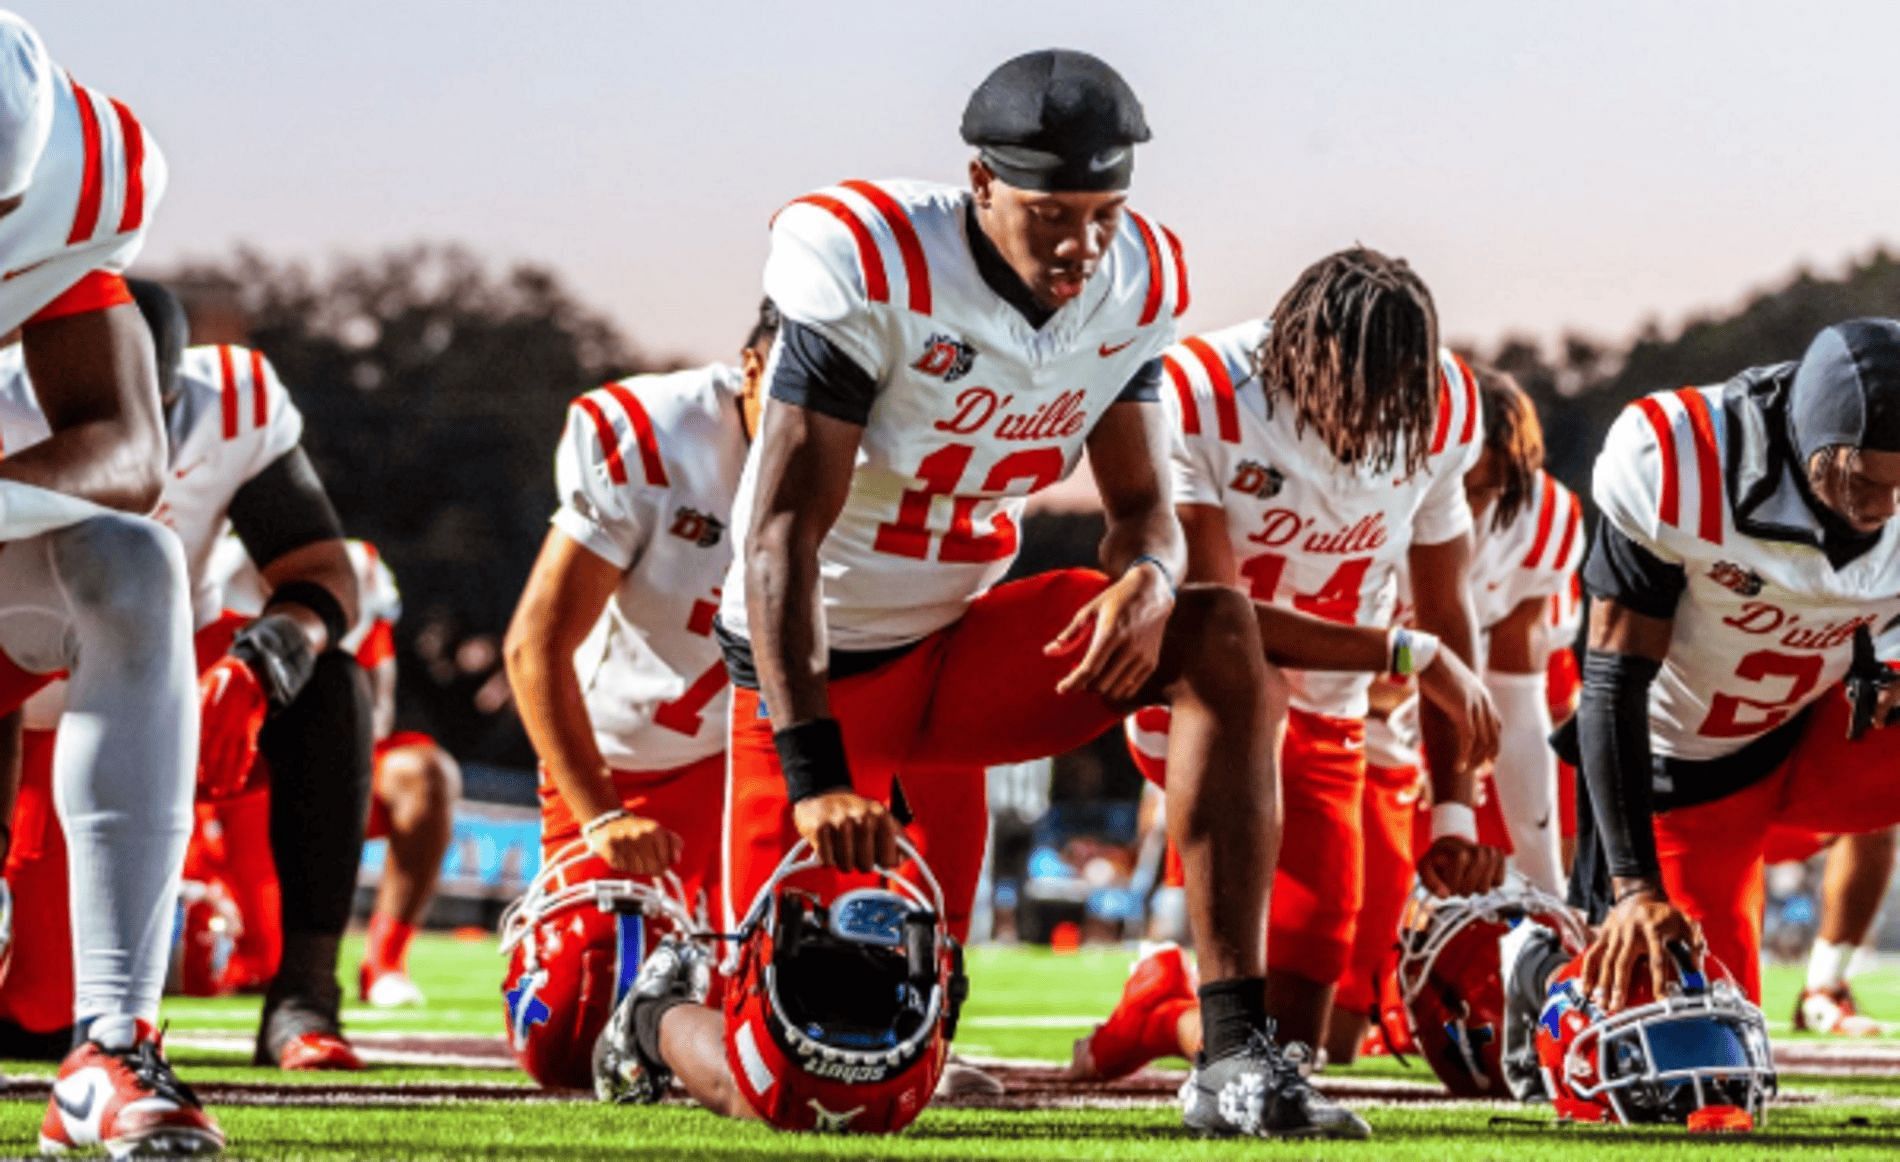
(1354, 345)
(1514, 439)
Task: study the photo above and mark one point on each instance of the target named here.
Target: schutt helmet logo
(1256, 479)
(700, 528)
(1729, 575)
(946, 358)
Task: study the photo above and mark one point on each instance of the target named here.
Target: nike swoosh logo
(219, 681)
(1105, 350)
(1103, 162)
(27, 269)
(78, 1111)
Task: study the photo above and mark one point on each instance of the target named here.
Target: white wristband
(1454, 819)
(603, 819)
(1409, 651)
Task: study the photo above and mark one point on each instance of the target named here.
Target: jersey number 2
(1732, 716)
(942, 471)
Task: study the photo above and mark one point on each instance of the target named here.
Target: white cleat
(394, 990)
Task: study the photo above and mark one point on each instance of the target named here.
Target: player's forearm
(301, 578)
(110, 462)
(1613, 738)
(1449, 616)
(1300, 641)
(786, 615)
(1150, 531)
(553, 711)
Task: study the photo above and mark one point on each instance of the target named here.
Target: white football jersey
(231, 420)
(1309, 532)
(646, 470)
(975, 408)
(1534, 557)
(1764, 627)
(379, 601)
(91, 198)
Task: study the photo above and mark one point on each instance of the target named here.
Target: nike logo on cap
(1103, 162)
(1105, 350)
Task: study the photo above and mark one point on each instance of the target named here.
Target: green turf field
(1025, 1005)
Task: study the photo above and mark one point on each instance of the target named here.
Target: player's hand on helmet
(847, 830)
(634, 846)
(1123, 629)
(1638, 928)
(1449, 685)
(232, 705)
(1455, 866)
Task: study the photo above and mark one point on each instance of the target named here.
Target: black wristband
(319, 600)
(811, 755)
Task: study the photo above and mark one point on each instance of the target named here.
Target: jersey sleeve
(599, 507)
(282, 423)
(1457, 442)
(812, 273)
(1627, 483)
(1555, 540)
(1191, 467)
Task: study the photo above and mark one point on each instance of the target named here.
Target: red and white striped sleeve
(609, 472)
(1457, 442)
(255, 409)
(1200, 380)
(1658, 480)
(841, 255)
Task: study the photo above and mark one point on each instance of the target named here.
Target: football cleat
(304, 1033)
(1260, 1091)
(675, 969)
(116, 1090)
(961, 1079)
(388, 990)
(1160, 987)
(1832, 1012)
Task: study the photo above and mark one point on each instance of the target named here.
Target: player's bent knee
(1218, 640)
(118, 569)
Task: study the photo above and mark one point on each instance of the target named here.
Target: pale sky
(1543, 165)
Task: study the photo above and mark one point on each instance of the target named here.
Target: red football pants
(1320, 886)
(1712, 853)
(972, 695)
(38, 992)
(1390, 805)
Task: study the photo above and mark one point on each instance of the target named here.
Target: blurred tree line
(434, 388)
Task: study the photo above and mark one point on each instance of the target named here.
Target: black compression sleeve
(1613, 735)
(1144, 386)
(811, 372)
(1630, 575)
(282, 509)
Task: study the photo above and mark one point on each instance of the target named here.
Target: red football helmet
(1697, 1055)
(843, 1000)
(574, 942)
(1452, 981)
(209, 925)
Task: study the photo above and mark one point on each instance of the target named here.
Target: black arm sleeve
(1613, 737)
(1144, 386)
(1630, 575)
(282, 509)
(812, 373)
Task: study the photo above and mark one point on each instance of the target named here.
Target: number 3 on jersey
(942, 473)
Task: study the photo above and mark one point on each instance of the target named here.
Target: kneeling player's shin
(319, 753)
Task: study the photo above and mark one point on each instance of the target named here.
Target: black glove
(276, 650)
(1867, 676)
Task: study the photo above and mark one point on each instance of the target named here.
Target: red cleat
(117, 1090)
(1160, 988)
(1832, 1011)
(319, 1050)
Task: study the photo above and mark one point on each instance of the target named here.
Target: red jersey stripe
(909, 246)
(1151, 306)
(1708, 464)
(1571, 528)
(260, 394)
(132, 214)
(609, 441)
(877, 287)
(1668, 503)
(1471, 400)
(1226, 411)
(1184, 391)
(91, 181)
(1180, 272)
(1442, 427)
(642, 433)
(228, 397)
(1546, 517)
